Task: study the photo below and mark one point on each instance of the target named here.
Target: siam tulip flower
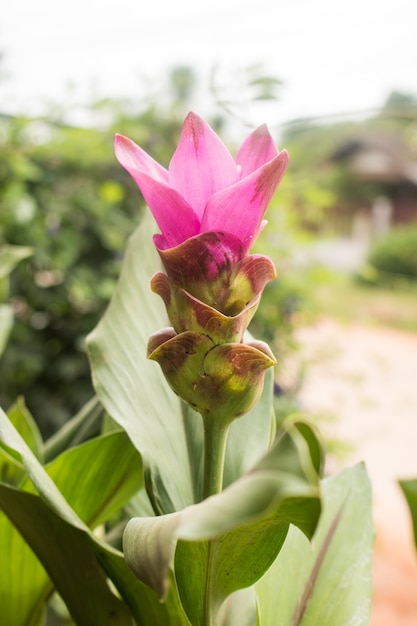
(209, 208)
(205, 189)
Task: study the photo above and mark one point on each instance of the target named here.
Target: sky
(333, 56)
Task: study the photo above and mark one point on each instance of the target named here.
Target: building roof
(379, 158)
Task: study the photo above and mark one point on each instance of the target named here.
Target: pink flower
(204, 188)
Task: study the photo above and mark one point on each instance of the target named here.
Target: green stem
(215, 439)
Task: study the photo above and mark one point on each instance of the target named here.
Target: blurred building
(381, 166)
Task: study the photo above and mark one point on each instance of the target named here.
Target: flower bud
(223, 380)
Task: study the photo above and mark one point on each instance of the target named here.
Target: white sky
(334, 56)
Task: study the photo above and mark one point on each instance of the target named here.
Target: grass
(342, 298)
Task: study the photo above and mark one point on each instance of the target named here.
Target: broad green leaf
(95, 490)
(327, 582)
(76, 542)
(139, 505)
(133, 389)
(98, 477)
(22, 420)
(232, 537)
(12, 470)
(409, 488)
(68, 556)
(24, 584)
(141, 599)
(11, 438)
(239, 609)
(29, 579)
(194, 433)
(6, 324)
(75, 556)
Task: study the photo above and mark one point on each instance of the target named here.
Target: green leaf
(96, 490)
(327, 582)
(6, 324)
(141, 599)
(232, 537)
(133, 389)
(22, 420)
(70, 544)
(68, 556)
(11, 438)
(239, 609)
(12, 470)
(24, 584)
(409, 488)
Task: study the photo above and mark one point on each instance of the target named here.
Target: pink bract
(204, 188)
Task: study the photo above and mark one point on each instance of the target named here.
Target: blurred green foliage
(61, 194)
(392, 259)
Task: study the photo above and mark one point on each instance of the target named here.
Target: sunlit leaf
(22, 420)
(133, 389)
(24, 584)
(232, 537)
(96, 490)
(64, 543)
(68, 556)
(327, 582)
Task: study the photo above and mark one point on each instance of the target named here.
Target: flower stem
(215, 439)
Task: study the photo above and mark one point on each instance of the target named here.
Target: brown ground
(363, 383)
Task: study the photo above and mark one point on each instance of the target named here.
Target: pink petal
(201, 164)
(240, 208)
(174, 216)
(134, 159)
(256, 150)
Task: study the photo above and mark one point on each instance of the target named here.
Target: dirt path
(367, 377)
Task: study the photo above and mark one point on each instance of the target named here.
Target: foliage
(52, 201)
(393, 258)
(10, 256)
(151, 466)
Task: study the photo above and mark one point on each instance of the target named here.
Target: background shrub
(394, 257)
